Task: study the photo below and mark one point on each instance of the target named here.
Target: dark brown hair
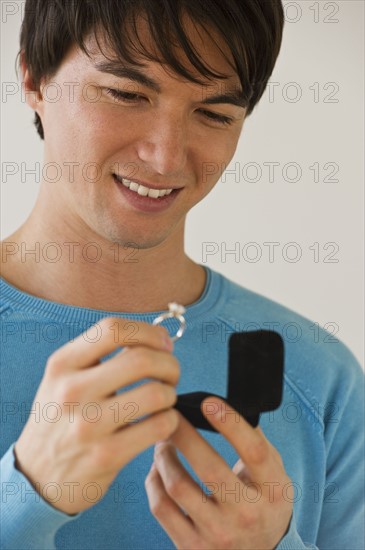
(252, 30)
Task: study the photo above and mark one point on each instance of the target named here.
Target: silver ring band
(175, 310)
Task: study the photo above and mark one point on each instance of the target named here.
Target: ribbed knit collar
(18, 300)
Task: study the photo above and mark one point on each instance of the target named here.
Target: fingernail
(163, 445)
(160, 443)
(217, 412)
(168, 343)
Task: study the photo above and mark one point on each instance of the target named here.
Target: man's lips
(146, 183)
(146, 203)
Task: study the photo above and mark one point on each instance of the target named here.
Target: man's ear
(33, 96)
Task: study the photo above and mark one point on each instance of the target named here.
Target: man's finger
(208, 465)
(124, 444)
(180, 486)
(129, 367)
(250, 443)
(103, 338)
(165, 510)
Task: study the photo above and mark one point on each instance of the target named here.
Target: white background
(312, 112)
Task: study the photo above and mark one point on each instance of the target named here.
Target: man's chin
(137, 243)
(155, 236)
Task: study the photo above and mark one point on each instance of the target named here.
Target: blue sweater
(318, 429)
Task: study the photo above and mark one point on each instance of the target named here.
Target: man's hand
(249, 507)
(85, 433)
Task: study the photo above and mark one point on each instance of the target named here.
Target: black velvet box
(255, 379)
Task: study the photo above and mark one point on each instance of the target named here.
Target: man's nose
(163, 147)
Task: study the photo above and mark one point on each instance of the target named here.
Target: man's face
(164, 135)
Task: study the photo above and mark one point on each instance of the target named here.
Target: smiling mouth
(142, 190)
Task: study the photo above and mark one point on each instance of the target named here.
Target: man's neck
(102, 275)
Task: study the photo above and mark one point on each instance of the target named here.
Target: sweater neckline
(17, 299)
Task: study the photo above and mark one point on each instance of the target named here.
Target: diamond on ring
(176, 308)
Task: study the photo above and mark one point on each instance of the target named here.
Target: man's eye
(124, 96)
(220, 119)
(130, 97)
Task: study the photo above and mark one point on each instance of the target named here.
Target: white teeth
(154, 193)
(133, 186)
(144, 191)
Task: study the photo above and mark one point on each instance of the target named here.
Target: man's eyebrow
(116, 69)
(234, 98)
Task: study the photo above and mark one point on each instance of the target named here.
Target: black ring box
(255, 379)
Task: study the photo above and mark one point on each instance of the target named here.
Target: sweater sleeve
(343, 504)
(292, 540)
(27, 520)
(343, 512)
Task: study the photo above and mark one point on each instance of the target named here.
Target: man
(151, 92)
